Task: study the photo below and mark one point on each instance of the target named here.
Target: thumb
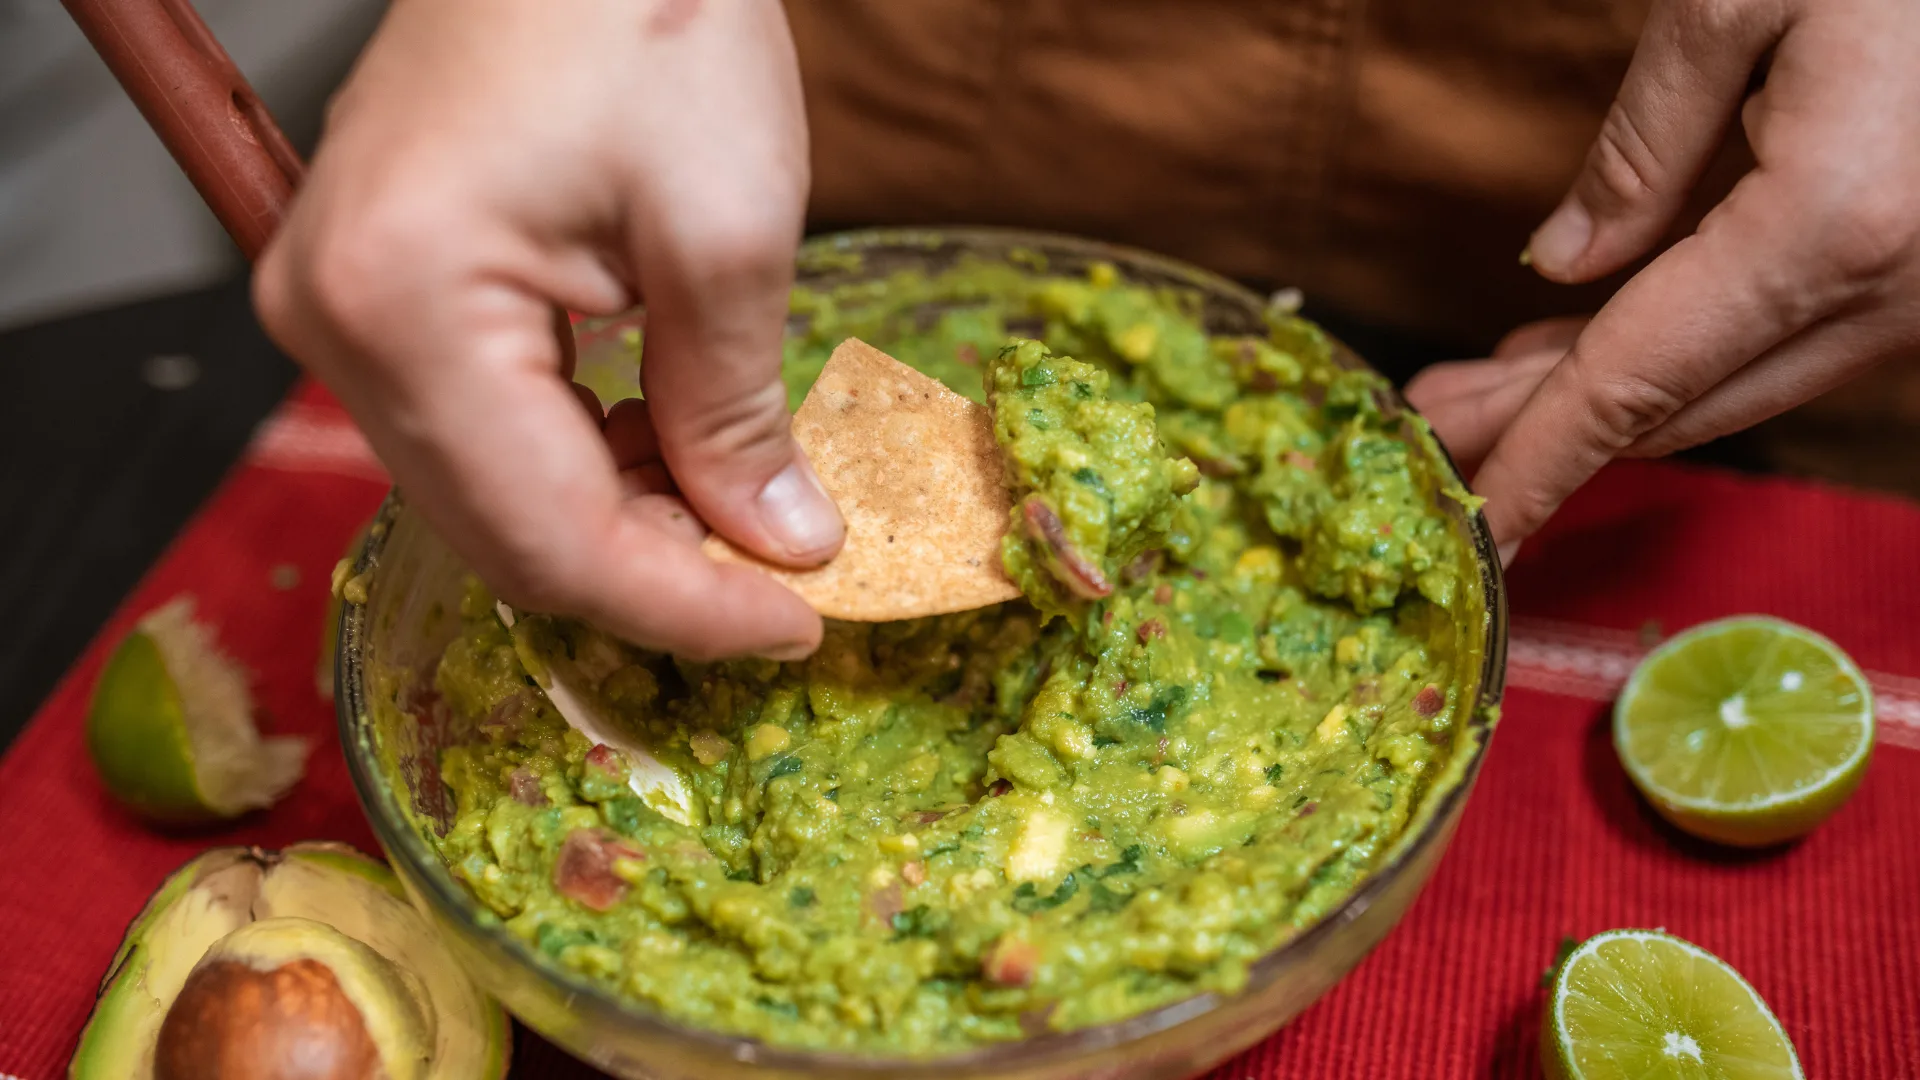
(1681, 92)
(716, 311)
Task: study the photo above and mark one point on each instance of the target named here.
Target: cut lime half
(1644, 1005)
(1747, 731)
(171, 727)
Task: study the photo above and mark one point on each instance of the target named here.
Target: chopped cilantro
(553, 940)
(1103, 900)
(779, 1008)
(918, 922)
(1128, 863)
(623, 813)
(1156, 712)
(1027, 898)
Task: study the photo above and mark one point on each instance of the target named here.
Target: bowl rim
(388, 819)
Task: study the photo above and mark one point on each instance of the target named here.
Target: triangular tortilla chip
(917, 476)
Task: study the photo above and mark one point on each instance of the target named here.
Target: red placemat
(1553, 844)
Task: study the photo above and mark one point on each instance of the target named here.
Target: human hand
(494, 162)
(1804, 276)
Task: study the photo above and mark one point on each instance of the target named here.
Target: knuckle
(1623, 170)
(348, 268)
(1627, 405)
(706, 650)
(272, 296)
(1669, 438)
(535, 577)
(347, 271)
(738, 257)
(1709, 24)
(340, 108)
(1864, 230)
(747, 426)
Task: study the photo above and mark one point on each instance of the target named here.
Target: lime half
(1748, 731)
(1644, 1005)
(171, 727)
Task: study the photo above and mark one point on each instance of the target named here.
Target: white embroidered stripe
(1592, 663)
(1569, 660)
(300, 437)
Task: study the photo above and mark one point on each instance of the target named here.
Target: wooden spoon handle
(202, 108)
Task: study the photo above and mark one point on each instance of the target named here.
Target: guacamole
(1093, 486)
(1232, 685)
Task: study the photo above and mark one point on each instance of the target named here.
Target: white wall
(92, 209)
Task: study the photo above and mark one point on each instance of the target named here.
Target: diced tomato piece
(524, 786)
(584, 871)
(1428, 702)
(605, 761)
(1143, 565)
(1082, 578)
(884, 904)
(1011, 962)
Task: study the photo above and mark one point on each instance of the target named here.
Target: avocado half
(278, 952)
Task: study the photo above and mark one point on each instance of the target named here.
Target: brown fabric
(1390, 157)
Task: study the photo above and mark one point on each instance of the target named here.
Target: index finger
(1698, 313)
(503, 461)
(1814, 227)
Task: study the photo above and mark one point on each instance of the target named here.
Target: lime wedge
(1645, 1005)
(171, 727)
(1748, 731)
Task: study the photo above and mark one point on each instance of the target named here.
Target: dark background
(100, 467)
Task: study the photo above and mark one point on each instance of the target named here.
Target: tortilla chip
(917, 476)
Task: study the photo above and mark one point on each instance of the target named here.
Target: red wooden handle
(201, 107)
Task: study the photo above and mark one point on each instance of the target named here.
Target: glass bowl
(393, 732)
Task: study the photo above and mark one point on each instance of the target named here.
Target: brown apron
(1389, 157)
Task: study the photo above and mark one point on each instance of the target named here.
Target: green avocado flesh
(321, 900)
(968, 829)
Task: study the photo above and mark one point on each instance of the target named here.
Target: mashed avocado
(971, 828)
(1093, 486)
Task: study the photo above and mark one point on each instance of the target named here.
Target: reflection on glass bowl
(390, 642)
